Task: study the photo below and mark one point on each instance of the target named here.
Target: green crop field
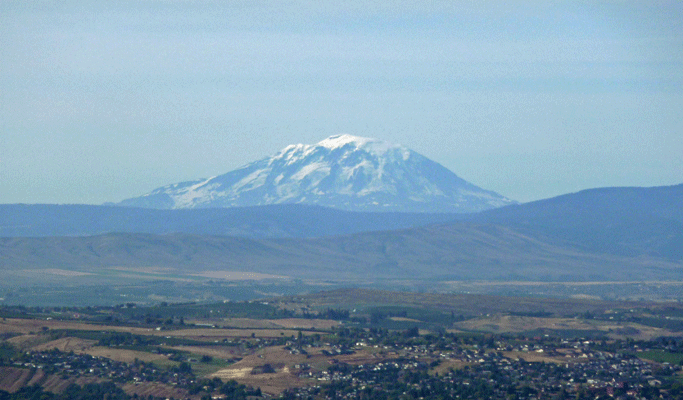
(662, 356)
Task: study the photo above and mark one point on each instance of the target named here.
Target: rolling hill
(626, 221)
(462, 251)
(610, 234)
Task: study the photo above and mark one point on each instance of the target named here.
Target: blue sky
(101, 102)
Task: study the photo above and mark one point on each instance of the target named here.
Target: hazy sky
(530, 99)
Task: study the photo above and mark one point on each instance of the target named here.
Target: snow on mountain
(342, 171)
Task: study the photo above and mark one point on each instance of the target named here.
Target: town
(240, 350)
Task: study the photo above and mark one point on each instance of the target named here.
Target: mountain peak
(338, 141)
(343, 171)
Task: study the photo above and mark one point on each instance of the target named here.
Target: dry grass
(284, 362)
(27, 326)
(83, 346)
(273, 383)
(403, 319)
(144, 389)
(467, 304)
(123, 355)
(66, 345)
(287, 323)
(37, 378)
(517, 324)
(246, 323)
(12, 379)
(644, 332)
(31, 326)
(532, 356)
(302, 323)
(221, 352)
(508, 323)
(25, 342)
(448, 365)
(55, 384)
(233, 373)
(210, 334)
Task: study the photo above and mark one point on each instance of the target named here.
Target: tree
(185, 368)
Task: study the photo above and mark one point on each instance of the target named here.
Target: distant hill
(280, 220)
(611, 234)
(344, 172)
(627, 221)
(462, 251)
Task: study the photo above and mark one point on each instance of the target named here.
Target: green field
(662, 356)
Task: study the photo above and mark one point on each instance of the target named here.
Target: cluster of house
(78, 365)
(567, 367)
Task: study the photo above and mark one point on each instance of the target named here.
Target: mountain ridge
(626, 221)
(605, 234)
(269, 221)
(465, 251)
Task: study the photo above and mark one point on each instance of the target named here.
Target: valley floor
(347, 344)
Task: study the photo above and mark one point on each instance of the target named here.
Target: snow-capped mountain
(342, 171)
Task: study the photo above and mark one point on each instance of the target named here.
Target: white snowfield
(343, 171)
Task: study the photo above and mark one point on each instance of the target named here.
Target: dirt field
(284, 363)
(532, 356)
(122, 355)
(144, 389)
(27, 326)
(12, 379)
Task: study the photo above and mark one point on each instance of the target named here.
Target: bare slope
(461, 251)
